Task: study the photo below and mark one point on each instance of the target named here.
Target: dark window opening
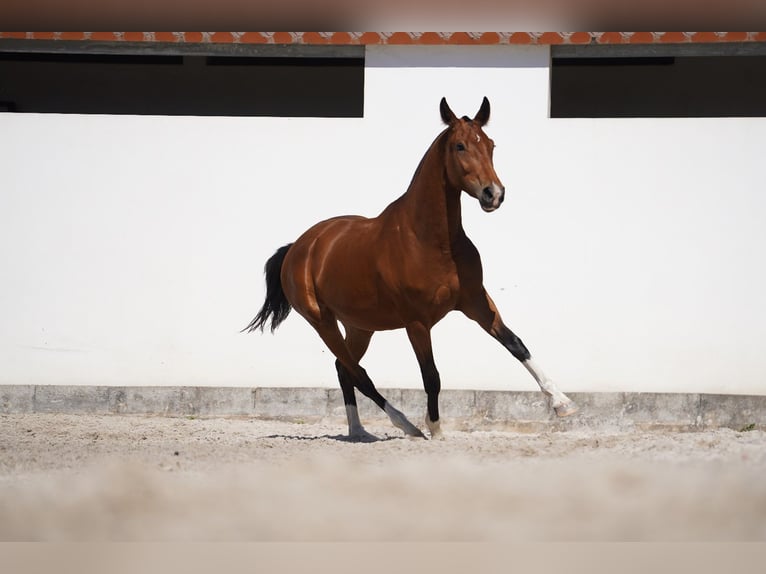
(686, 86)
(196, 85)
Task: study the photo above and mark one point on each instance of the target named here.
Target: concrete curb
(461, 409)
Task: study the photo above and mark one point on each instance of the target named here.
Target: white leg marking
(400, 421)
(562, 404)
(354, 424)
(435, 428)
(355, 429)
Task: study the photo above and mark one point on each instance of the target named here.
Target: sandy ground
(104, 478)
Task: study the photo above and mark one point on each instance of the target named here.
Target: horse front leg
(482, 309)
(420, 338)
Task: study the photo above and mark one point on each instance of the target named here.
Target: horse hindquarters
(306, 271)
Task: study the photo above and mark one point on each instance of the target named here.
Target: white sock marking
(400, 421)
(435, 428)
(354, 424)
(397, 418)
(546, 385)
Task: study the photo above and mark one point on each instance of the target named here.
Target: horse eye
(460, 147)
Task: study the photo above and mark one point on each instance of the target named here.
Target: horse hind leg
(357, 342)
(351, 371)
(356, 431)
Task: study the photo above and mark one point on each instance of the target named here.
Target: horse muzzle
(491, 197)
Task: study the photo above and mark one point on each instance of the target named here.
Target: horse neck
(430, 205)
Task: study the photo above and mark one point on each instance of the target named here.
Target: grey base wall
(460, 409)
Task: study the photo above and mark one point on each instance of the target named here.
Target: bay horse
(406, 268)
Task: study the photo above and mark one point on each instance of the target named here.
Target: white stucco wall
(628, 254)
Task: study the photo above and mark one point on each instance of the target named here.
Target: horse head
(468, 156)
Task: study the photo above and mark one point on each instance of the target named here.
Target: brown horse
(406, 268)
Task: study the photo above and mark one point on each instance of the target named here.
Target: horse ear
(448, 115)
(482, 116)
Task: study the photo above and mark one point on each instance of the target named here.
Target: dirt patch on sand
(93, 478)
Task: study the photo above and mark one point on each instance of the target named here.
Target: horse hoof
(362, 436)
(435, 429)
(566, 409)
(411, 431)
(415, 432)
(400, 421)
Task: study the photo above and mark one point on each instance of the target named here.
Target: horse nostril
(487, 192)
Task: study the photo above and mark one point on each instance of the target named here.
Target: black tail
(276, 305)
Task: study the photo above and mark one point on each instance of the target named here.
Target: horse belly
(386, 310)
(361, 292)
(358, 297)
(343, 267)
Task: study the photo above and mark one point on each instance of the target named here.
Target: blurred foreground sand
(103, 478)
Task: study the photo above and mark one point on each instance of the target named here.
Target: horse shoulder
(468, 265)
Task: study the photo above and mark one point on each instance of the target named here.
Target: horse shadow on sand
(336, 437)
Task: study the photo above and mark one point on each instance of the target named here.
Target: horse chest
(433, 295)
